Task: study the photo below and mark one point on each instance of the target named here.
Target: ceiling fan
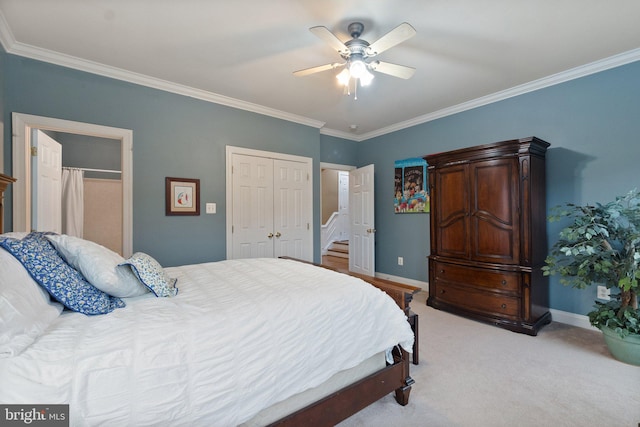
(357, 52)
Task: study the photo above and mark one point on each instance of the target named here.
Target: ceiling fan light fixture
(356, 52)
(358, 68)
(366, 78)
(344, 76)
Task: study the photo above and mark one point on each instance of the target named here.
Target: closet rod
(94, 170)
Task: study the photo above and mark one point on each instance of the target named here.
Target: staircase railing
(329, 232)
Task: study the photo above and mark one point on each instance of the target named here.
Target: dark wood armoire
(5, 180)
(488, 233)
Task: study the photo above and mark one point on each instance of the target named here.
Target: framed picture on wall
(182, 196)
(411, 193)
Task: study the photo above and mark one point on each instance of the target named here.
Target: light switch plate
(211, 208)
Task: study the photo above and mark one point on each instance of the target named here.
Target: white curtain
(72, 202)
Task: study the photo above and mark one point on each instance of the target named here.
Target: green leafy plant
(602, 245)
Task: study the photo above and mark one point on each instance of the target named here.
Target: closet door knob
(270, 235)
(278, 234)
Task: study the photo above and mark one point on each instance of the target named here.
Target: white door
(343, 204)
(291, 212)
(252, 189)
(361, 213)
(47, 182)
(271, 208)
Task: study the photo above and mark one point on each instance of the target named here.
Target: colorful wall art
(411, 186)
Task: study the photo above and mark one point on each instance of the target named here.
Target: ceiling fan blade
(399, 34)
(326, 35)
(394, 70)
(313, 70)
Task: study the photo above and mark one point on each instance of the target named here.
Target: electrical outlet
(604, 293)
(210, 208)
(400, 260)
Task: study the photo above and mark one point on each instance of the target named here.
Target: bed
(238, 342)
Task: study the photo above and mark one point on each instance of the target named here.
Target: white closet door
(291, 212)
(269, 204)
(252, 207)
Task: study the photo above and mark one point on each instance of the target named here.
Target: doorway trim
(230, 151)
(21, 131)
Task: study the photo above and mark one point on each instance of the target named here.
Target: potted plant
(602, 245)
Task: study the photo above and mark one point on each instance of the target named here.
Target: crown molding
(340, 134)
(554, 79)
(16, 48)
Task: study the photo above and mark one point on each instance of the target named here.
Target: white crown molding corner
(340, 134)
(6, 36)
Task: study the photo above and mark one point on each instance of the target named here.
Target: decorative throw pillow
(152, 275)
(99, 265)
(26, 310)
(61, 280)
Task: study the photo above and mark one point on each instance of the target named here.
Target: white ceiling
(242, 53)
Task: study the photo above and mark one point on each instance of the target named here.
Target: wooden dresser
(488, 233)
(5, 180)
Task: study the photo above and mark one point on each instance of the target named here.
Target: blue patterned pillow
(61, 280)
(151, 274)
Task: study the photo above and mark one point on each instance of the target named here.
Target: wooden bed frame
(345, 402)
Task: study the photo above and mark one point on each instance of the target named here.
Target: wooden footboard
(357, 396)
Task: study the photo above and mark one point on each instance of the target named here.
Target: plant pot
(625, 349)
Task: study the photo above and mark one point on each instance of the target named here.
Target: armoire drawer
(479, 277)
(487, 303)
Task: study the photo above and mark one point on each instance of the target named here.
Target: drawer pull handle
(503, 306)
(504, 283)
(442, 271)
(442, 291)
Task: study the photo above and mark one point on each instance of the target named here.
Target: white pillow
(25, 308)
(99, 265)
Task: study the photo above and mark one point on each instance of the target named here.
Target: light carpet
(474, 374)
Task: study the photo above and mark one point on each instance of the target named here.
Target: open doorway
(23, 124)
(335, 223)
(89, 203)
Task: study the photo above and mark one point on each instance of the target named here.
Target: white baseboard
(423, 285)
(573, 319)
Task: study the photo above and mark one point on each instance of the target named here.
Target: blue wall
(590, 122)
(338, 151)
(173, 135)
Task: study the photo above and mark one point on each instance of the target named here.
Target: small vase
(625, 349)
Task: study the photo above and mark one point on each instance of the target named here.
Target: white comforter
(241, 335)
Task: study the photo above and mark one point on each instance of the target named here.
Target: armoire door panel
(494, 212)
(494, 191)
(452, 238)
(452, 224)
(492, 243)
